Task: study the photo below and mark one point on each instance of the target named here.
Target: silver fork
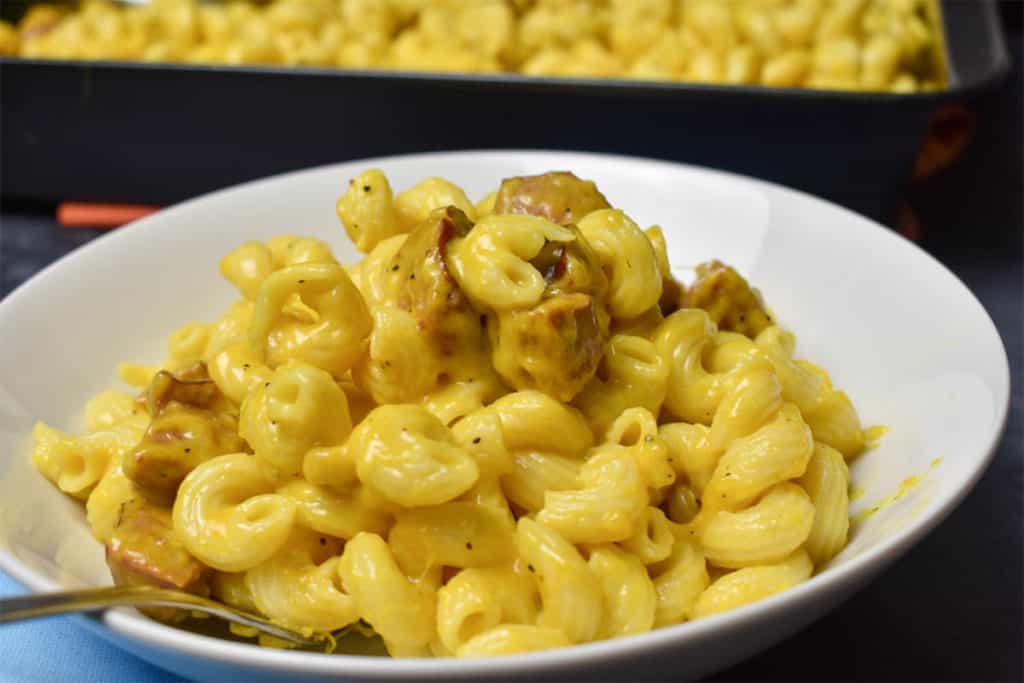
(95, 599)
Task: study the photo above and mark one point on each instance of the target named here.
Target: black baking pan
(155, 133)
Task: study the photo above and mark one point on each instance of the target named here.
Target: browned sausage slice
(729, 300)
(559, 196)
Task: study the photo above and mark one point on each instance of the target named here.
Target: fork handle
(37, 605)
(94, 599)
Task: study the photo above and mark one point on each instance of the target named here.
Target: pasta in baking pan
(510, 427)
(876, 45)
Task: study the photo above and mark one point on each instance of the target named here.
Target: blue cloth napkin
(58, 649)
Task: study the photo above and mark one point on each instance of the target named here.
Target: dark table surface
(952, 609)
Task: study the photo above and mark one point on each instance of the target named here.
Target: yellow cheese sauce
(905, 487)
(872, 439)
(857, 492)
(873, 435)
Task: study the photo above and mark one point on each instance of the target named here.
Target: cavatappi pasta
(508, 428)
(877, 45)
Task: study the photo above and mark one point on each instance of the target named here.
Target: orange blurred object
(907, 222)
(88, 215)
(950, 132)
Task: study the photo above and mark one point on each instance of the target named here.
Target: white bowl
(906, 339)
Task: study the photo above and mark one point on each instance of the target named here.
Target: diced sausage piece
(559, 196)
(555, 347)
(187, 428)
(426, 288)
(191, 386)
(178, 440)
(729, 300)
(145, 551)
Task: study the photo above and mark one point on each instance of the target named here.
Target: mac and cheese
(508, 428)
(878, 45)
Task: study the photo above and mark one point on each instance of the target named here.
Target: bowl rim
(848, 575)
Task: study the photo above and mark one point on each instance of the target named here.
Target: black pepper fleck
(469, 546)
(366, 188)
(476, 440)
(188, 450)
